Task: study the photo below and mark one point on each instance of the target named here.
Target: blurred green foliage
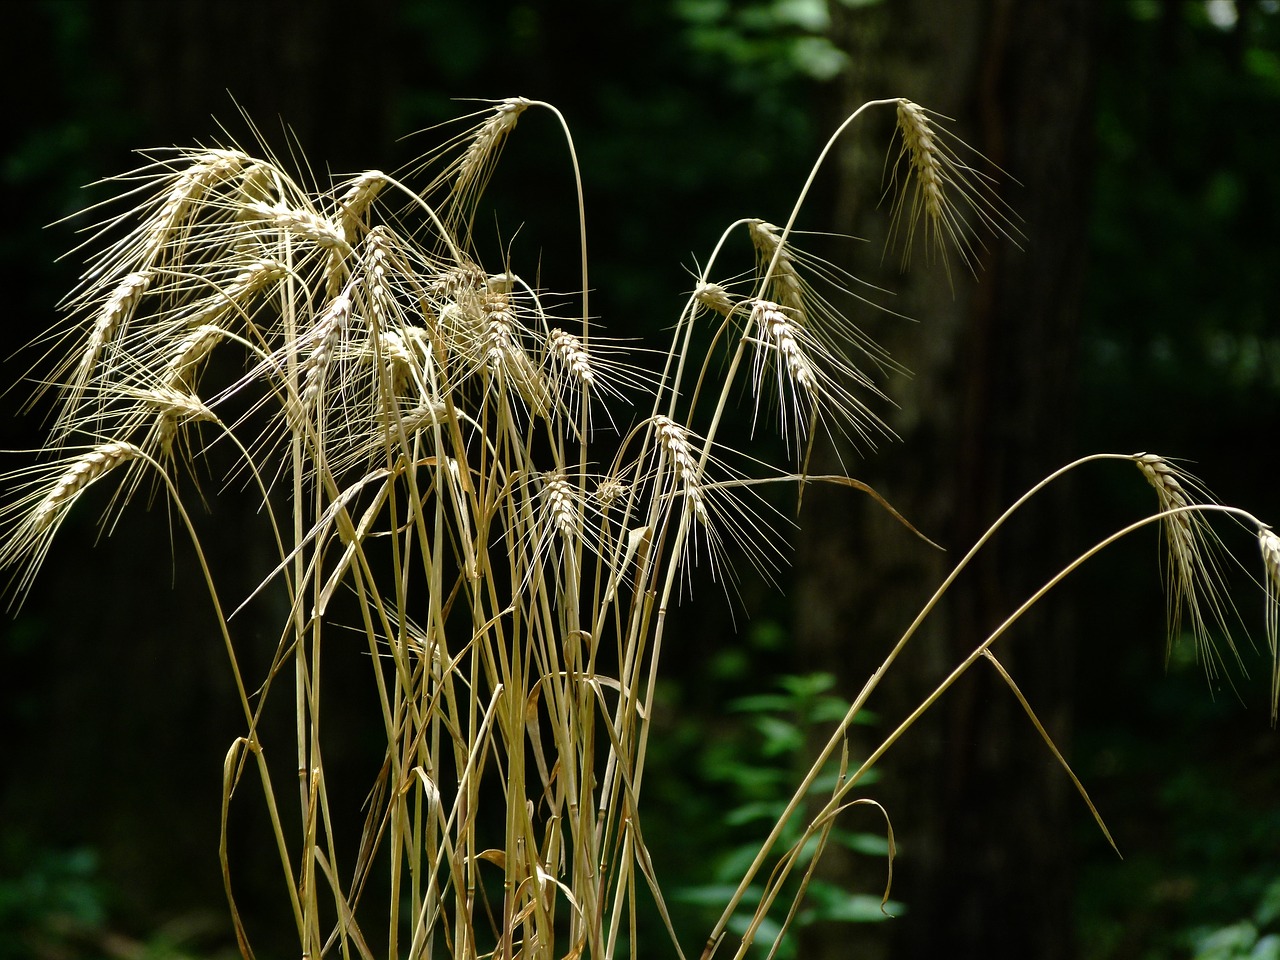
(1254, 938)
(731, 751)
(55, 905)
(1181, 354)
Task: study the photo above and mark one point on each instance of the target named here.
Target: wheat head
(951, 202)
(1269, 545)
(1192, 569)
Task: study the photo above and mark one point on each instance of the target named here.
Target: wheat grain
(396, 355)
(110, 324)
(426, 413)
(116, 312)
(377, 263)
(733, 523)
(456, 280)
(234, 298)
(562, 505)
(206, 171)
(609, 490)
(256, 275)
(173, 408)
(1269, 544)
(567, 352)
(779, 332)
(921, 147)
(503, 353)
(188, 354)
(499, 324)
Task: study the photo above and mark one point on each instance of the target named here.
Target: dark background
(1141, 313)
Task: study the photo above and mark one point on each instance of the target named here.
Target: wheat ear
(482, 152)
(111, 320)
(779, 331)
(236, 295)
(82, 472)
(188, 354)
(1192, 572)
(772, 254)
(714, 297)
(567, 352)
(302, 223)
(940, 184)
(1269, 544)
(356, 199)
(328, 332)
(207, 170)
(562, 505)
(673, 439)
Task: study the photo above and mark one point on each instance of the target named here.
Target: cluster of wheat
(421, 430)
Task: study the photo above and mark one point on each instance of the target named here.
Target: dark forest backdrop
(1141, 314)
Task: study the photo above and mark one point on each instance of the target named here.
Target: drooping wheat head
(780, 348)
(950, 201)
(819, 360)
(1191, 564)
(330, 327)
(1269, 544)
(355, 201)
(464, 177)
(82, 472)
(677, 459)
(714, 297)
(776, 260)
(164, 237)
(45, 495)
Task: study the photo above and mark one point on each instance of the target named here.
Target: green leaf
(767, 810)
(779, 736)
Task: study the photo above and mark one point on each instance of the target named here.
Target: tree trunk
(982, 813)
